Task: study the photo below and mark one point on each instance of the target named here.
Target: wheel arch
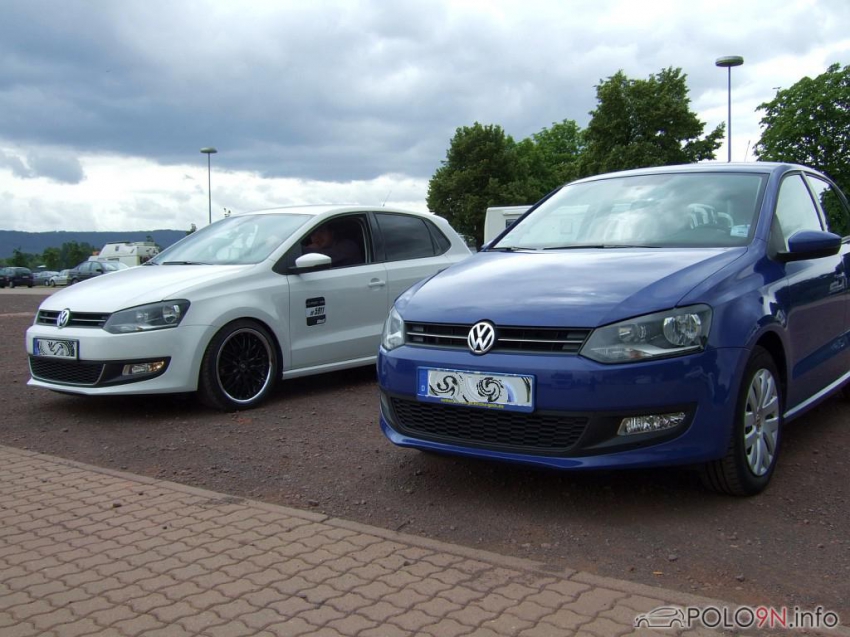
(772, 342)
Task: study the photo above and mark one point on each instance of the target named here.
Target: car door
(816, 297)
(413, 248)
(337, 314)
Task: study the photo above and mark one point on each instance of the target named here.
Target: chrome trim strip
(821, 394)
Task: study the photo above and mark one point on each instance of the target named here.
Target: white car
(233, 307)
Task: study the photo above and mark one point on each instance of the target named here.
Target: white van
(128, 252)
(500, 217)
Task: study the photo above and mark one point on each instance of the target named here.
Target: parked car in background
(665, 316)
(90, 269)
(41, 277)
(15, 276)
(239, 304)
(61, 278)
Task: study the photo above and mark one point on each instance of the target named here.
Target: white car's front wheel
(239, 367)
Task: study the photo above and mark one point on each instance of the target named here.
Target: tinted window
(405, 237)
(832, 205)
(441, 240)
(795, 209)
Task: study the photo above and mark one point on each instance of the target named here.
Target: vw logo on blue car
(481, 337)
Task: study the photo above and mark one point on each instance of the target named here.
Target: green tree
(73, 253)
(482, 168)
(809, 123)
(559, 150)
(52, 258)
(640, 123)
(20, 259)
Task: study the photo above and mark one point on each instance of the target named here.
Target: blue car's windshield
(698, 209)
(236, 240)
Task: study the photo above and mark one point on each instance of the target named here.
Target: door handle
(377, 283)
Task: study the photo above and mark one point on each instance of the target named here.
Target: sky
(105, 104)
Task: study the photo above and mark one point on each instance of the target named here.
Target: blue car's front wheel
(750, 459)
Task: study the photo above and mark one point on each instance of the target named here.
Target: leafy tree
(559, 149)
(192, 228)
(52, 258)
(481, 169)
(20, 259)
(640, 123)
(809, 123)
(73, 253)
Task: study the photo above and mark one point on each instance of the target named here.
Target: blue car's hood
(575, 288)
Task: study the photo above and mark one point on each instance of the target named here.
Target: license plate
(56, 348)
(510, 392)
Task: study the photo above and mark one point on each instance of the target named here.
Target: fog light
(143, 368)
(650, 423)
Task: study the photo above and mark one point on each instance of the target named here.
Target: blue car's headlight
(393, 335)
(662, 334)
(144, 318)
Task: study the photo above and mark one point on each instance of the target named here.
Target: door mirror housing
(810, 244)
(312, 261)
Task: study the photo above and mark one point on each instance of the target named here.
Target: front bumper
(579, 405)
(96, 372)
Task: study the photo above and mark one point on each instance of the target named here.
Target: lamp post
(729, 61)
(209, 151)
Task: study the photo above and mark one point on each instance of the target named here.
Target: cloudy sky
(105, 104)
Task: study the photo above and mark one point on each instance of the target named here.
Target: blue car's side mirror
(810, 244)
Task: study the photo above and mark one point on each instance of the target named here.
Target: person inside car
(341, 250)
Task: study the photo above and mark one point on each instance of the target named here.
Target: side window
(344, 239)
(795, 209)
(440, 240)
(405, 237)
(833, 206)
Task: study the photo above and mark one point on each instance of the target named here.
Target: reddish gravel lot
(317, 445)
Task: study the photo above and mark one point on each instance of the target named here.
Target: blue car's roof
(761, 167)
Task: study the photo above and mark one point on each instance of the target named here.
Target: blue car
(678, 315)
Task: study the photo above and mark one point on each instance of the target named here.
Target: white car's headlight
(393, 335)
(669, 333)
(144, 318)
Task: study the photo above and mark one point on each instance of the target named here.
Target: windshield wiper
(184, 263)
(511, 249)
(599, 246)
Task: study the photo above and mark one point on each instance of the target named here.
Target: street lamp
(729, 61)
(209, 151)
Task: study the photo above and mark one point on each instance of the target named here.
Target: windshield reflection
(237, 240)
(652, 211)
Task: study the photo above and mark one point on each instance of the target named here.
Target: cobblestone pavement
(88, 551)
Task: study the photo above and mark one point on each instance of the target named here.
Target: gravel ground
(317, 445)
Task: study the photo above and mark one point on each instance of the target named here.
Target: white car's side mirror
(312, 261)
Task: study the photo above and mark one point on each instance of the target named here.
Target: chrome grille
(78, 319)
(508, 338)
(531, 432)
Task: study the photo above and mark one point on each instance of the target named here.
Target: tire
(239, 368)
(51, 283)
(11, 285)
(751, 457)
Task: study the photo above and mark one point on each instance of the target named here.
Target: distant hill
(36, 242)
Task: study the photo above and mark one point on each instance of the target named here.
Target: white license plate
(510, 392)
(56, 348)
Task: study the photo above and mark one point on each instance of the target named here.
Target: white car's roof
(327, 209)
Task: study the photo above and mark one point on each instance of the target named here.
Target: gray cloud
(58, 167)
(343, 90)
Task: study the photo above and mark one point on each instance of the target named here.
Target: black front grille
(552, 434)
(66, 372)
(78, 319)
(508, 338)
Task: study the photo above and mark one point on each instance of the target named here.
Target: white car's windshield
(236, 240)
(658, 211)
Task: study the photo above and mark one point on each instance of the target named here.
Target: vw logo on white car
(481, 338)
(63, 318)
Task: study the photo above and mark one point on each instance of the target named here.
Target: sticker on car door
(316, 311)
